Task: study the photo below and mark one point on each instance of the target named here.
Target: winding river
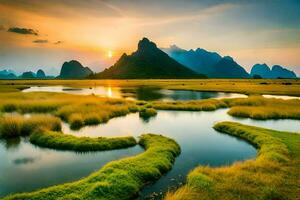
(25, 167)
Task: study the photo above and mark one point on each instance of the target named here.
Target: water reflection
(199, 142)
(27, 167)
(148, 93)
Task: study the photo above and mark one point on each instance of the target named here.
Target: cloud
(58, 42)
(40, 41)
(24, 31)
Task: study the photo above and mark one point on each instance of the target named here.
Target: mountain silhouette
(40, 74)
(277, 71)
(7, 74)
(147, 62)
(28, 75)
(228, 68)
(74, 69)
(199, 60)
(209, 63)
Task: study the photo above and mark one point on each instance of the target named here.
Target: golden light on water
(109, 92)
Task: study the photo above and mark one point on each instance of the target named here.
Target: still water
(199, 142)
(136, 93)
(25, 167)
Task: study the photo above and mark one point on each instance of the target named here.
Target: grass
(257, 107)
(147, 112)
(199, 105)
(16, 125)
(77, 110)
(117, 180)
(60, 141)
(274, 174)
(43, 130)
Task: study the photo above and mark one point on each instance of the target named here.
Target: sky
(36, 34)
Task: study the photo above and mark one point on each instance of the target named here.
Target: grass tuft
(16, 125)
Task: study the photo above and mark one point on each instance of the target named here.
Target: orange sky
(88, 30)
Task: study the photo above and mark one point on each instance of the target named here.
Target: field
(273, 174)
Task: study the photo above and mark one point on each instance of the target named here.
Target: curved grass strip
(200, 105)
(117, 180)
(274, 174)
(60, 141)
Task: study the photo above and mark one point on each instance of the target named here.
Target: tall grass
(274, 174)
(16, 125)
(117, 180)
(201, 105)
(60, 141)
(257, 107)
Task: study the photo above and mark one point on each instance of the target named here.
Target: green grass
(274, 174)
(257, 107)
(60, 141)
(16, 125)
(77, 110)
(117, 180)
(147, 112)
(199, 105)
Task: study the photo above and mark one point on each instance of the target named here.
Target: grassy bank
(75, 109)
(200, 105)
(60, 141)
(274, 174)
(118, 180)
(13, 125)
(257, 107)
(248, 86)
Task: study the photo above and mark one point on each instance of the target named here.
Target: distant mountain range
(209, 63)
(264, 71)
(7, 74)
(74, 69)
(147, 62)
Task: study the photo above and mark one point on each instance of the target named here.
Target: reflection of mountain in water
(189, 95)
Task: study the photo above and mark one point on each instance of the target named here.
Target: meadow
(274, 174)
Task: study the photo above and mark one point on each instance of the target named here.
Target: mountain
(262, 70)
(209, 63)
(7, 74)
(74, 69)
(28, 75)
(199, 60)
(147, 62)
(40, 74)
(281, 72)
(228, 68)
(277, 71)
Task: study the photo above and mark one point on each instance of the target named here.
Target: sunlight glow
(110, 54)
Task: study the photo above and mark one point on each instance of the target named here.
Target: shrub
(147, 112)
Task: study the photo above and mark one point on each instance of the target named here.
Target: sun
(110, 54)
